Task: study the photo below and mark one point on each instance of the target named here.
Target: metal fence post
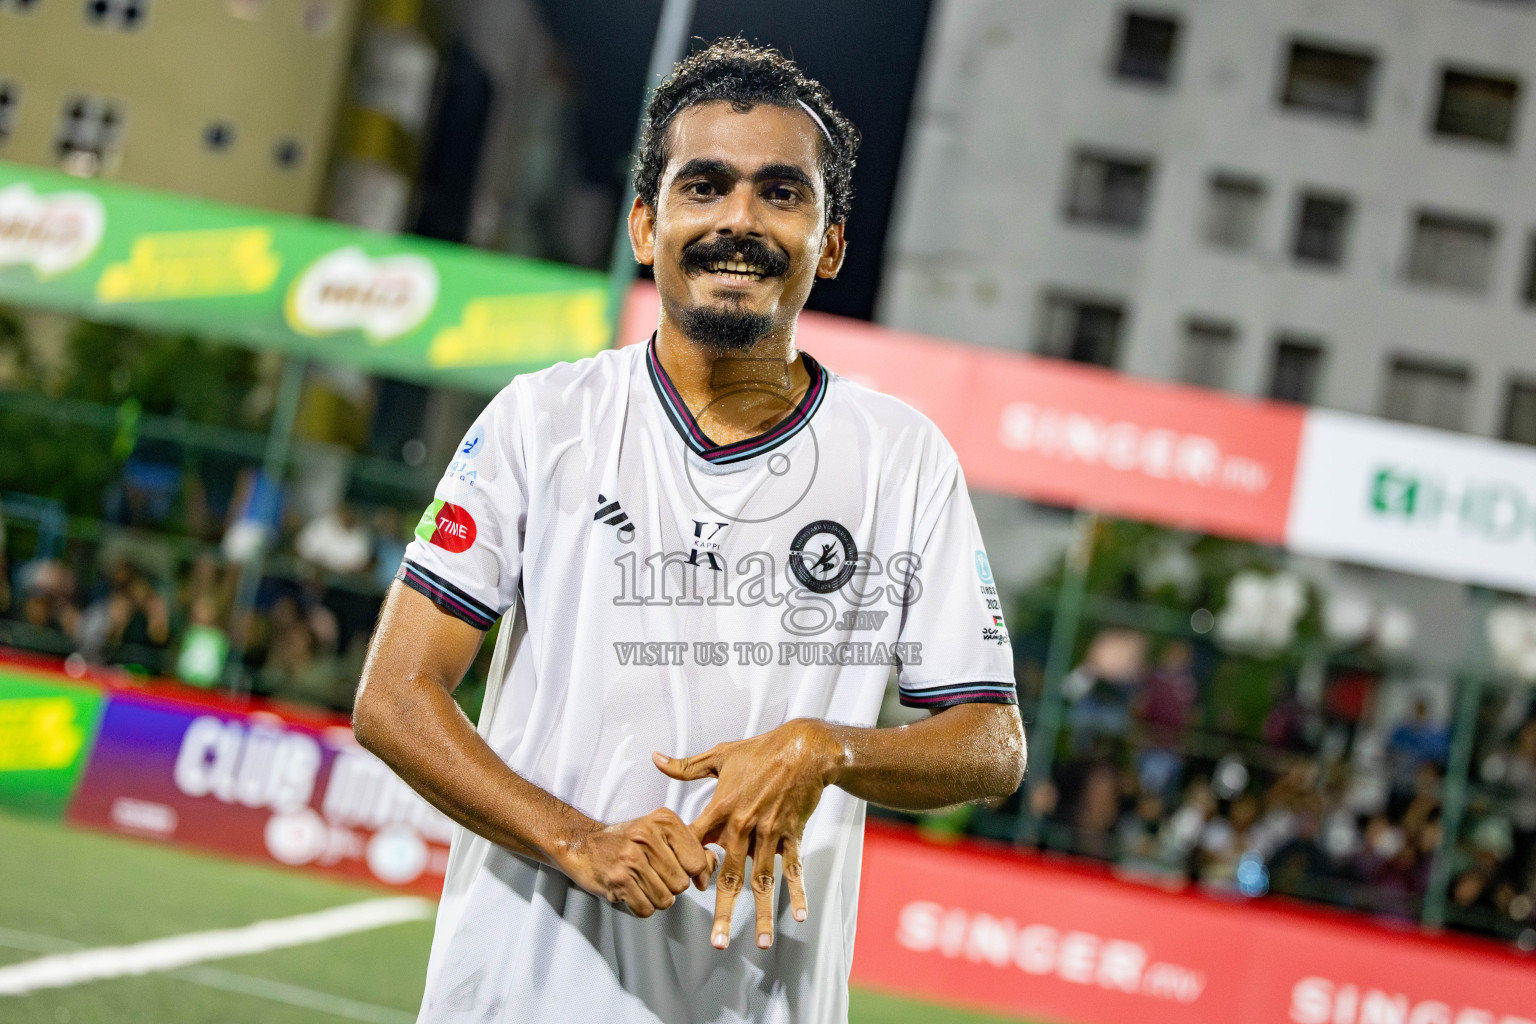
(666, 50)
(1458, 768)
(274, 461)
(1058, 662)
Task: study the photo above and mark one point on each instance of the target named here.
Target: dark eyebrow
(784, 172)
(706, 167)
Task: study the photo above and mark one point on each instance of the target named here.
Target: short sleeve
(467, 554)
(955, 646)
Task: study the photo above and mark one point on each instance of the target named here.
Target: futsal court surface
(97, 928)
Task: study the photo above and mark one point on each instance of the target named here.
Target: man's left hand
(768, 787)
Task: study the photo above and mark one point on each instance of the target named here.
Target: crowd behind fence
(1307, 771)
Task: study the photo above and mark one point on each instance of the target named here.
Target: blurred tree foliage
(168, 376)
(129, 372)
(1154, 569)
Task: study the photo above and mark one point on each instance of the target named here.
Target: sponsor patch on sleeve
(448, 526)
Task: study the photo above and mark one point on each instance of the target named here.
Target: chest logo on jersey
(448, 526)
(707, 541)
(610, 514)
(823, 556)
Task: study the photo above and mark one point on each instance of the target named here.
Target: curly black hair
(744, 75)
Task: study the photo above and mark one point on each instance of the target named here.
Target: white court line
(294, 995)
(180, 950)
(229, 981)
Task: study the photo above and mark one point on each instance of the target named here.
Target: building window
(288, 153)
(123, 15)
(1329, 81)
(1520, 412)
(219, 136)
(1453, 252)
(10, 99)
(1321, 225)
(89, 132)
(1232, 212)
(1297, 371)
(1111, 191)
(1430, 394)
(1147, 43)
(1207, 354)
(1081, 329)
(1477, 106)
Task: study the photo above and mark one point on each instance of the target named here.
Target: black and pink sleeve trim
(446, 596)
(938, 697)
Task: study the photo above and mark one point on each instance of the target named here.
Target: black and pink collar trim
(723, 455)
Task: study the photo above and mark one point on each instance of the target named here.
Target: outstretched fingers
(794, 877)
(763, 853)
(728, 885)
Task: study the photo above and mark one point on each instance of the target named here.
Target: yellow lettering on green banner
(530, 328)
(38, 734)
(192, 265)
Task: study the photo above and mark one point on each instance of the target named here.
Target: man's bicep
(416, 638)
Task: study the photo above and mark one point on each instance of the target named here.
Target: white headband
(815, 117)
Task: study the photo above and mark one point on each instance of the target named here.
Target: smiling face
(739, 232)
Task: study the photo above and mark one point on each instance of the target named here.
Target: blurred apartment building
(1327, 203)
(228, 99)
(446, 118)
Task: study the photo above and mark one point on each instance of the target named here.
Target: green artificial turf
(63, 889)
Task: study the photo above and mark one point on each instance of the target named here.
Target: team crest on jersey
(823, 556)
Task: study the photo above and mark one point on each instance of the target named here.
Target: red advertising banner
(179, 766)
(1070, 434)
(1005, 933)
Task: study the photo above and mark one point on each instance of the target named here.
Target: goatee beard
(724, 331)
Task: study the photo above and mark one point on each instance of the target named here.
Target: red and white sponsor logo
(1078, 957)
(455, 528)
(1323, 1001)
(1024, 936)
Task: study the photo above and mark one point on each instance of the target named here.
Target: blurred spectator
(297, 668)
(1102, 688)
(336, 541)
(255, 516)
(1414, 743)
(1181, 832)
(48, 596)
(1168, 699)
(388, 546)
(144, 493)
(1224, 841)
(132, 617)
(204, 645)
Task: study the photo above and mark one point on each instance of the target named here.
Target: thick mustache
(700, 255)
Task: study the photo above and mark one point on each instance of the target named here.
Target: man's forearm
(965, 753)
(415, 726)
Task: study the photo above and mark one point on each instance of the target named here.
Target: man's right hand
(642, 864)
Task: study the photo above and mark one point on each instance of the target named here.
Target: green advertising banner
(392, 304)
(47, 726)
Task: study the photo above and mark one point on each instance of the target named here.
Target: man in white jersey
(716, 550)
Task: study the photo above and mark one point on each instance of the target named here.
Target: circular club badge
(823, 556)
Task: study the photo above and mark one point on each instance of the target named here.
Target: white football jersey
(678, 594)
